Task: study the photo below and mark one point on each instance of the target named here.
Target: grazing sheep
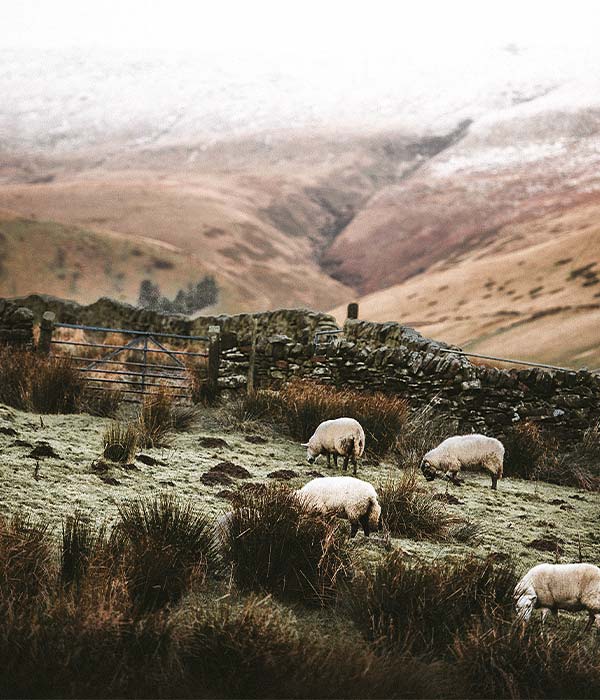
(348, 498)
(464, 451)
(554, 587)
(340, 437)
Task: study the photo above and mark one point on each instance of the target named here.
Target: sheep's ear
(304, 444)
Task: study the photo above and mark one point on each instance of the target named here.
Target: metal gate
(140, 367)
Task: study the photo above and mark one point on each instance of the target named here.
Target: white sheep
(554, 587)
(339, 437)
(347, 497)
(464, 451)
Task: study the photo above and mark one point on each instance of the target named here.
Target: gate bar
(134, 374)
(129, 362)
(124, 347)
(130, 332)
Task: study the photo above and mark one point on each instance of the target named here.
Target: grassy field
(508, 520)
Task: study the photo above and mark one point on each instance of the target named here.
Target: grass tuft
(120, 442)
(166, 544)
(417, 607)
(155, 423)
(276, 545)
(408, 510)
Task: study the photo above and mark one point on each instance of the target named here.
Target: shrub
(155, 423)
(274, 544)
(409, 511)
(418, 607)
(498, 660)
(120, 442)
(43, 384)
(166, 544)
(302, 405)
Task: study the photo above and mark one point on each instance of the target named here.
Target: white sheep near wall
(554, 587)
(343, 437)
(464, 452)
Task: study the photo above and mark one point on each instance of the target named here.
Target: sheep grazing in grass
(348, 498)
(342, 437)
(554, 587)
(464, 452)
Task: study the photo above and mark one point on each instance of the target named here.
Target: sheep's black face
(311, 459)
(428, 471)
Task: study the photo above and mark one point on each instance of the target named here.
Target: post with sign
(214, 360)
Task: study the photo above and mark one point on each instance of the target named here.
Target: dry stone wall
(369, 356)
(16, 324)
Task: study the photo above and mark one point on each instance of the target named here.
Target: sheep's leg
(335, 456)
(593, 618)
(354, 463)
(353, 529)
(494, 482)
(346, 460)
(545, 612)
(329, 460)
(452, 476)
(364, 521)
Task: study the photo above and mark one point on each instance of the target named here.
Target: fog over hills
(308, 180)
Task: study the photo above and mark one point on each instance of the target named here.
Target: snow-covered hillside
(55, 101)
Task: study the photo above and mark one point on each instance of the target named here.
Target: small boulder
(148, 460)
(547, 544)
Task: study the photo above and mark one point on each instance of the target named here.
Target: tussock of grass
(274, 657)
(416, 607)
(43, 384)
(408, 510)
(155, 423)
(166, 544)
(105, 403)
(120, 442)
(302, 405)
(184, 417)
(533, 454)
(423, 430)
(274, 544)
(500, 659)
(25, 561)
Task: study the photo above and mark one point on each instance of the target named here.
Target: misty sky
(277, 26)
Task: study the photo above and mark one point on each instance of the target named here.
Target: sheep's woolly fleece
(346, 496)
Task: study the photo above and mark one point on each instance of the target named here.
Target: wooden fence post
(252, 359)
(352, 310)
(46, 328)
(214, 359)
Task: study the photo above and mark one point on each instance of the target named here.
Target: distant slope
(533, 292)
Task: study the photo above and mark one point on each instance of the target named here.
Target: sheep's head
(311, 454)
(429, 471)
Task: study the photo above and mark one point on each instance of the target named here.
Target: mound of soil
(234, 470)
(547, 544)
(283, 474)
(7, 431)
(317, 475)
(110, 480)
(213, 442)
(447, 498)
(216, 478)
(256, 439)
(227, 494)
(148, 460)
(43, 449)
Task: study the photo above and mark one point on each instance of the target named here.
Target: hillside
(531, 292)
